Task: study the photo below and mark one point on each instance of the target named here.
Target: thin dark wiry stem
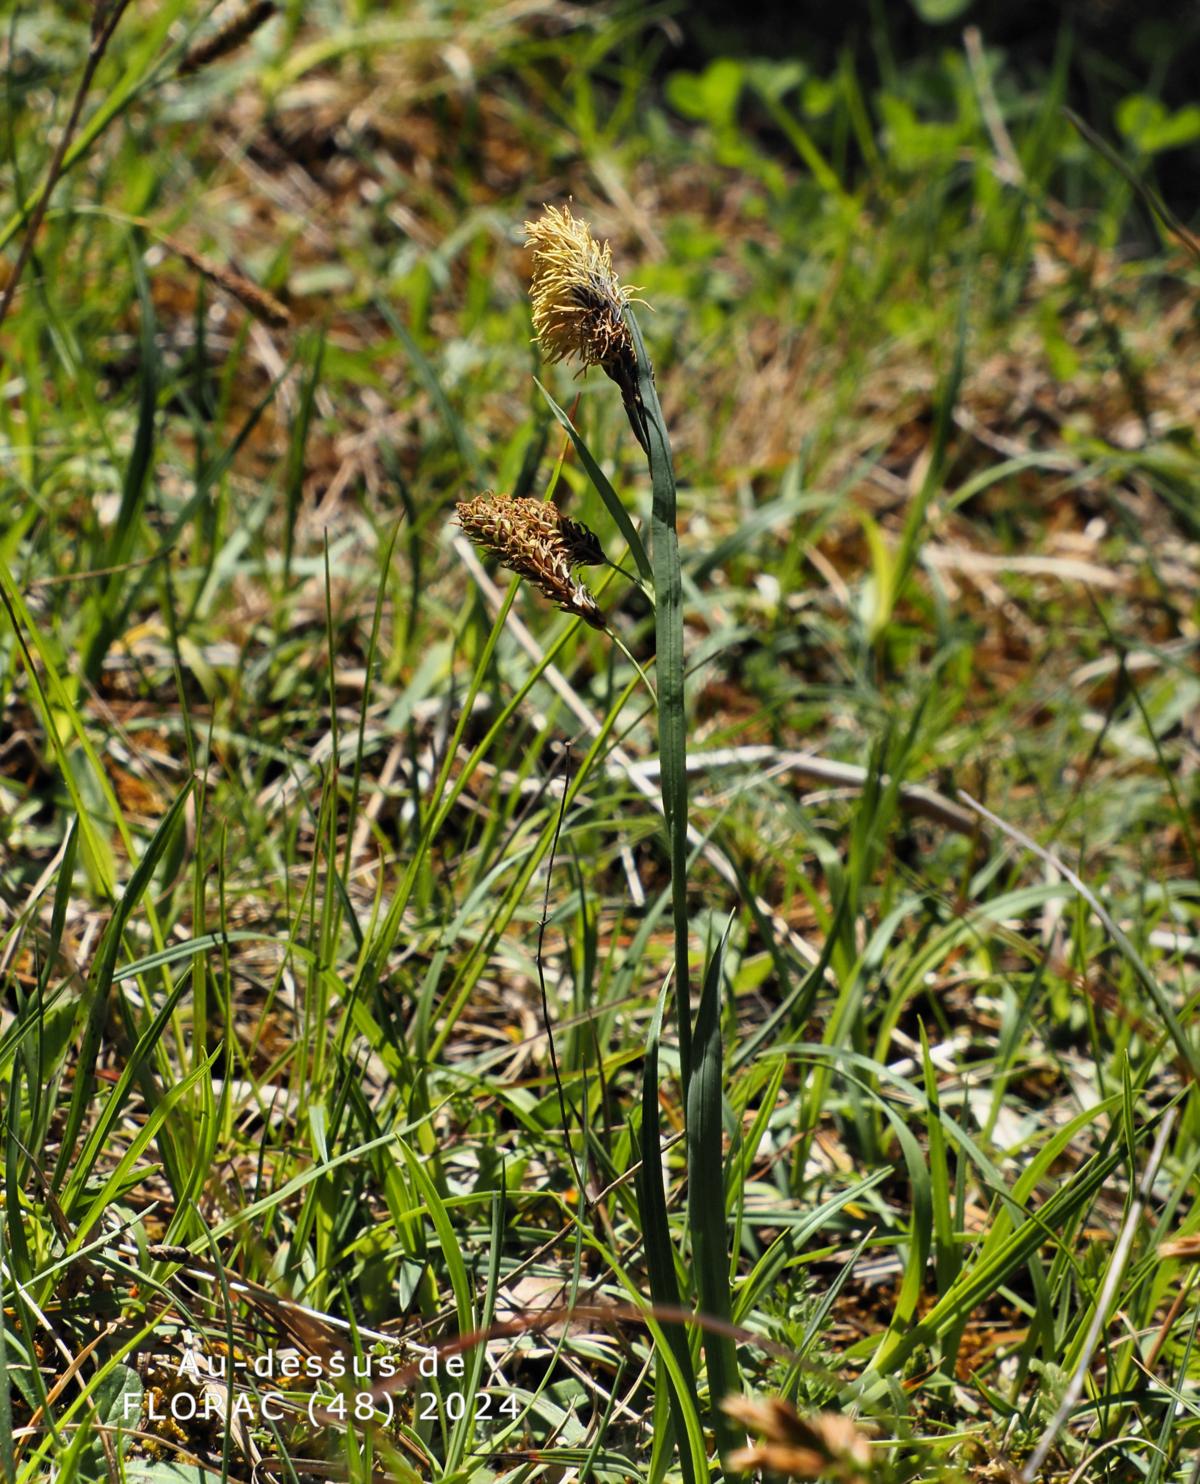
(103, 26)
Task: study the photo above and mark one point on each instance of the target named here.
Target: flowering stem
(582, 312)
(672, 725)
(625, 650)
(700, 1066)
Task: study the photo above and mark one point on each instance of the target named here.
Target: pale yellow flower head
(577, 298)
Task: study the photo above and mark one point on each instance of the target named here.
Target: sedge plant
(583, 314)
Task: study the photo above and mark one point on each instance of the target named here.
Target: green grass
(302, 833)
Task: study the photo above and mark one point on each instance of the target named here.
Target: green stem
(624, 648)
(672, 722)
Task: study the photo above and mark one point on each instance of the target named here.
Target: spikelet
(534, 539)
(579, 303)
(581, 544)
(240, 26)
(824, 1443)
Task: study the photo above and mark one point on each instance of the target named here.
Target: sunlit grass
(312, 835)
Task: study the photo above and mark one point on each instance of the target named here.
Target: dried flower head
(537, 541)
(580, 542)
(1187, 1249)
(804, 1447)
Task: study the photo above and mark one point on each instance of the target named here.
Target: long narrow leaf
(706, 1198)
(612, 501)
(109, 609)
(656, 1231)
(102, 978)
(672, 720)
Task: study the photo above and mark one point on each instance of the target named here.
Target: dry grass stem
(250, 296)
(534, 539)
(239, 27)
(1103, 1306)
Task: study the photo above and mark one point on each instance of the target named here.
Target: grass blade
(612, 501)
(706, 1197)
(669, 662)
(102, 979)
(110, 609)
(656, 1233)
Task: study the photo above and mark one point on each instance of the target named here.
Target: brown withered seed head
(824, 1443)
(582, 545)
(1187, 1249)
(535, 540)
